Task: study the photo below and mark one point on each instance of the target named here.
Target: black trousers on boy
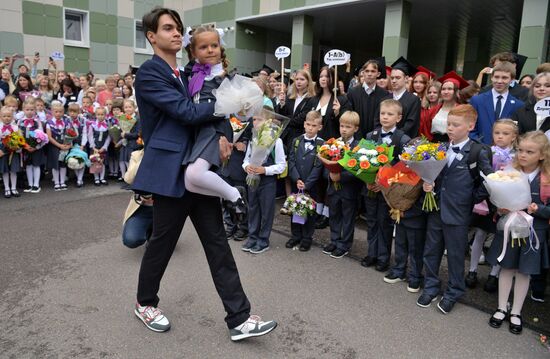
(169, 215)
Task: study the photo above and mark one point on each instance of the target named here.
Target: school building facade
(105, 36)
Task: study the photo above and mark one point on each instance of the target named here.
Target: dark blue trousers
(261, 209)
(379, 227)
(409, 246)
(342, 221)
(303, 232)
(455, 239)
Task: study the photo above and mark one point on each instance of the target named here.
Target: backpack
(473, 159)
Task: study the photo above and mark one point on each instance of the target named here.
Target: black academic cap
(520, 62)
(404, 65)
(247, 75)
(265, 68)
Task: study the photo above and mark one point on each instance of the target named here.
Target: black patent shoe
(471, 279)
(291, 243)
(516, 328)
(497, 323)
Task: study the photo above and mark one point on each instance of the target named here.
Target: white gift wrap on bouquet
(511, 195)
(238, 95)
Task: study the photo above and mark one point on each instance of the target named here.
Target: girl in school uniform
(77, 123)
(56, 128)
(9, 168)
(206, 72)
(505, 132)
(98, 140)
(129, 123)
(524, 260)
(33, 157)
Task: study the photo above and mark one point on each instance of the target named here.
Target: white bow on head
(187, 36)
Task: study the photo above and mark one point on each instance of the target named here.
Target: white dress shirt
(495, 99)
(451, 155)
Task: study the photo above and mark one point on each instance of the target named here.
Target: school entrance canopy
(441, 35)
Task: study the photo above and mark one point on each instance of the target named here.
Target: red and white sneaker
(152, 317)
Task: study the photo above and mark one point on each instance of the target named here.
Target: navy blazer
(304, 165)
(398, 140)
(456, 192)
(483, 103)
(167, 115)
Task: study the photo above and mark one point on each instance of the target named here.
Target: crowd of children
(77, 131)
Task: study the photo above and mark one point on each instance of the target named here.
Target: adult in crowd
(24, 88)
(429, 103)
(329, 106)
(168, 115)
(84, 83)
(68, 93)
(46, 90)
(366, 98)
(525, 117)
(526, 80)
(517, 61)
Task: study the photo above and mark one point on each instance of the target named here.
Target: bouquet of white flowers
(268, 127)
(238, 95)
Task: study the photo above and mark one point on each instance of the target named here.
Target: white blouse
(439, 122)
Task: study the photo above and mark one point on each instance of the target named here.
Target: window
(75, 27)
(141, 44)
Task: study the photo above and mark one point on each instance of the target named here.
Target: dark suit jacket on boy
(304, 165)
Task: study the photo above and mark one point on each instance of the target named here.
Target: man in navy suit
(495, 104)
(168, 118)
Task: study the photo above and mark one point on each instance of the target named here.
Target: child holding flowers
(99, 140)
(342, 192)
(12, 143)
(529, 256)
(505, 132)
(76, 122)
(34, 157)
(457, 192)
(305, 169)
(57, 129)
(379, 223)
(129, 125)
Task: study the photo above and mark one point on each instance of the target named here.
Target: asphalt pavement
(69, 285)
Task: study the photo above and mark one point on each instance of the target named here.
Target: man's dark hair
(150, 21)
(23, 65)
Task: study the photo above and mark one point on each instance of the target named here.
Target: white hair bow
(187, 36)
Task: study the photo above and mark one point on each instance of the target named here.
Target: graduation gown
(367, 106)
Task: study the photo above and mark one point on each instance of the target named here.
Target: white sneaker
(152, 317)
(252, 327)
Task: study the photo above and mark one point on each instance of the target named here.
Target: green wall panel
(143, 6)
(291, 4)
(112, 33)
(40, 19)
(192, 17)
(98, 27)
(125, 31)
(12, 42)
(244, 8)
(77, 59)
(77, 4)
(104, 6)
(254, 42)
(219, 12)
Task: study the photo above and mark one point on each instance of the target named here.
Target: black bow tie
(386, 134)
(455, 149)
(309, 141)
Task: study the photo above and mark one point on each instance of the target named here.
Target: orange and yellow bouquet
(13, 143)
(365, 159)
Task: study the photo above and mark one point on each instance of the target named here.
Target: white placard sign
(335, 57)
(542, 107)
(282, 52)
(57, 56)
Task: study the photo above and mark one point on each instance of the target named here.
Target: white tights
(123, 165)
(33, 175)
(10, 177)
(59, 175)
(199, 179)
(521, 287)
(100, 176)
(79, 175)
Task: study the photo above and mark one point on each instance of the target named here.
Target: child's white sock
(13, 178)
(55, 176)
(122, 165)
(504, 287)
(30, 175)
(477, 248)
(6, 179)
(495, 270)
(62, 174)
(521, 287)
(102, 174)
(79, 175)
(319, 208)
(199, 179)
(36, 176)
(326, 211)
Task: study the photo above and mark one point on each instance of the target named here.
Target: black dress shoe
(304, 247)
(496, 323)
(516, 328)
(382, 266)
(471, 279)
(368, 261)
(491, 285)
(322, 223)
(291, 243)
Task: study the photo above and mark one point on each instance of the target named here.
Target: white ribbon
(187, 36)
(532, 232)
